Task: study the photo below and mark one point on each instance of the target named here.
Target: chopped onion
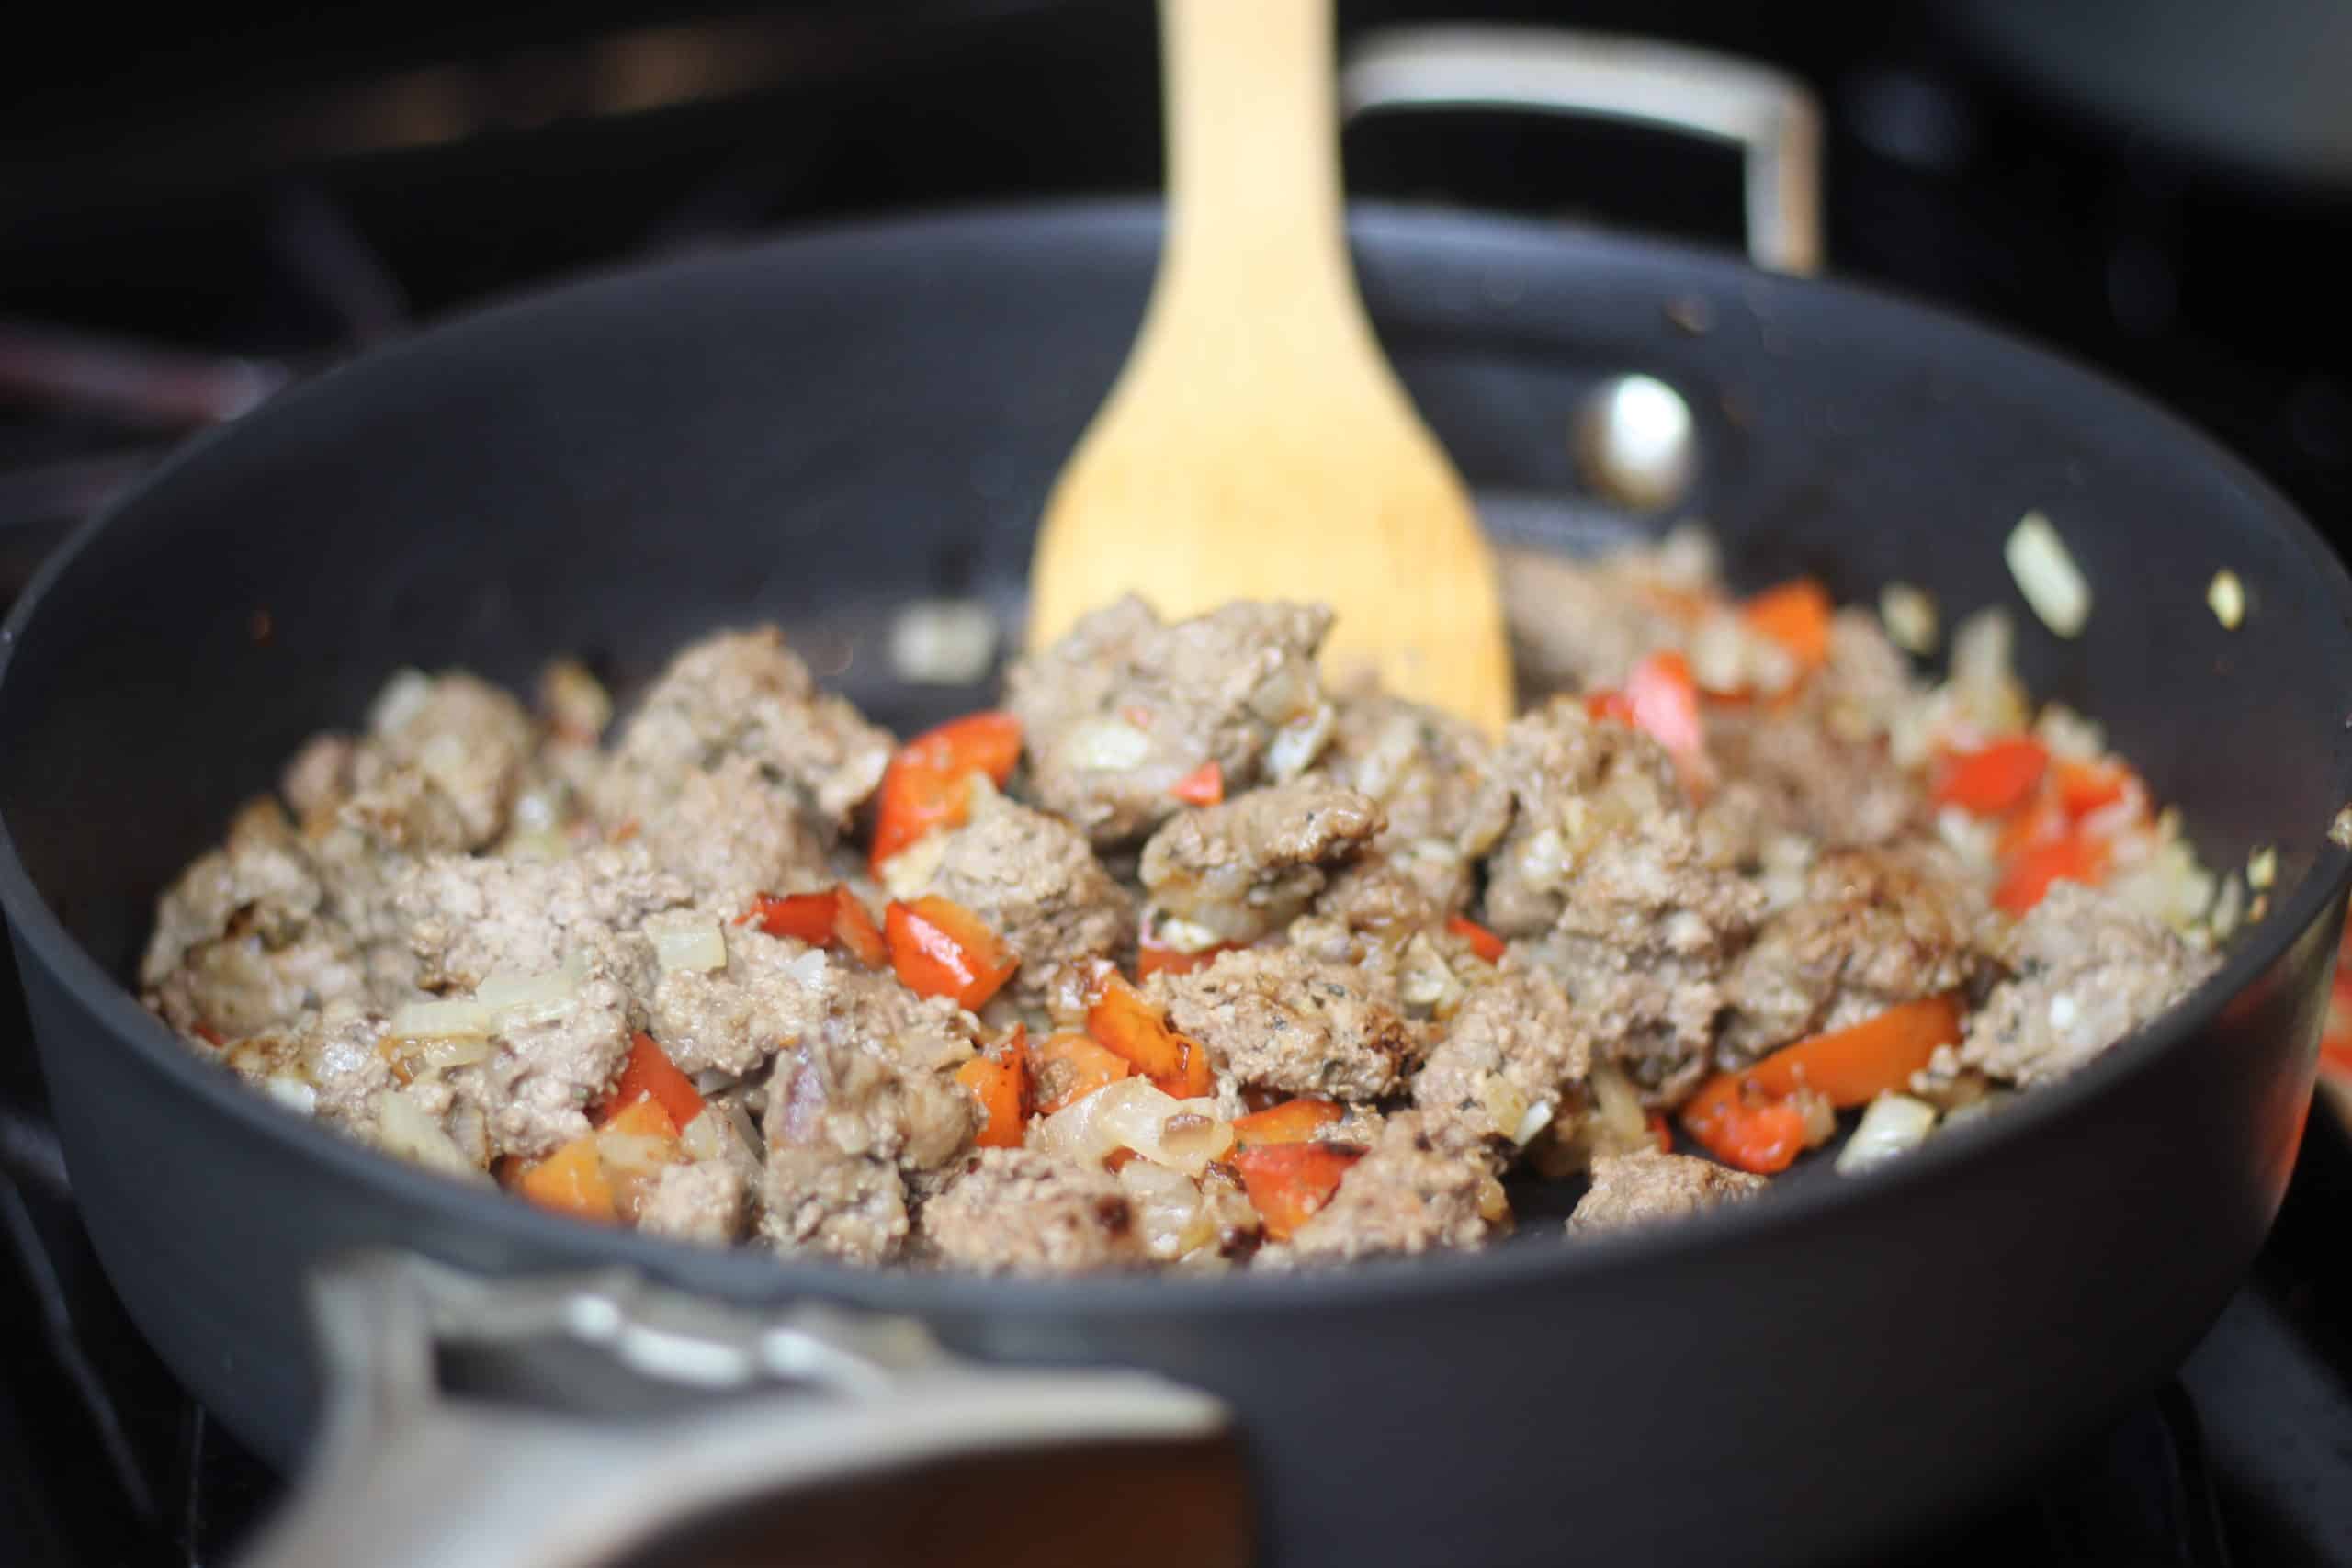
(403, 696)
(1287, 693)
(1170, 1217)
(707, 1136)
(403, 1128)
(1107, 746)
(455, 1051)
(1539, 1116)
(291, 1093)
(1618, 1117)
(1425, 980)
(906, 875)
(2262, 868)
(634, 1151)
(519, 1000)
(943, 642)
(1132, 1114)
(1909, 616)
(443, 760)
(1182, 936)
(687, 940)
(1895, 1123)
(1299, 742)
(2340, 828)
(1506, 1106)
(444, 1019)
(2048, 576)
(2225, 597)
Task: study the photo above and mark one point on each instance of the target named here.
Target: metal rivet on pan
(1634, 442)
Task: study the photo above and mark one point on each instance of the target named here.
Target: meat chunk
(1384, 921)
(1235, 872)
(707, 1201)
(1434, 777)
(1577, 625)
(1032, 880)
(729, 831)
(1874, 928)
(327, 1064)
(1021, 1212)
(1125, 706)
(745, 694)
(1605, 868)
(244, 940)
(569, 927)
(821, 1201)
(1408, 1194)
(1644, 1188)
(464, 736)
(1278, 1019)
(1511, 1055)
(2084, 972)
(863, 1094)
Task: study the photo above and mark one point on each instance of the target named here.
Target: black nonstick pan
(822, 428)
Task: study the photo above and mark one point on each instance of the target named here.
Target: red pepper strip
(1204, 785)
(572, 1181)
(1754, 1133)
(1292, 1122)
(1995, 778)
(1796, 616)
(938, 948)
(804, 916)
(924, 786)
(210, 1035)
(2087, 787)
(1660, 1133)
(1153, 959)
(996, 1082)
(1483, 942)
(2076, 858)
(1289, 1183)
(1123, 1022)
(649, 1074)
(1065, 1068)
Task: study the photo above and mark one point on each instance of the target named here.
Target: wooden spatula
(1256, 444)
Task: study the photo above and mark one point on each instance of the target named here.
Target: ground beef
(2084, 972)
(1645, 1186)
(1125, 706)
(1433, 776)
(708, 1201)
(819, 1201)
(1035, 882)
(244, 941)
(729, 831)
(1384, 921)
(1408, 1194)
(1605, 870)
(1237, 870)
(1874, 928)
(333, 1053)
(1513, 1047)
(745, 694)
(1278, 1019)
(1022, 1212)
(1577, 625)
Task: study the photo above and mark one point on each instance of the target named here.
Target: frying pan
(824, 427)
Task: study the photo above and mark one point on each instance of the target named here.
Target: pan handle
(598, 1419)
(1770, 118)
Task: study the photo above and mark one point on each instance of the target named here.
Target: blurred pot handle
(600, 1419)
(1769, 116)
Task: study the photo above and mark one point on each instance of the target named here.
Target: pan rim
(748, 1274)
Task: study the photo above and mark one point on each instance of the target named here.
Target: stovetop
(207, 232)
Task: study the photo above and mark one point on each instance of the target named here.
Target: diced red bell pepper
(1289, 1183)
(834, 919)
(571, 1181)
(1483, 942)
(1204, 785)
(925, 786)
(941, 949)
(1754, 1133)
(1292, 1122)
(2088, 787)
(1123, 1022)
(642, 1119)
(1660, 1133)
(1662, 702)
(2075, 858)
(1151, 958)
(1795, 614)
(1993, 779)
(1066, 1068)
(649, 1074)
(997, 1083)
